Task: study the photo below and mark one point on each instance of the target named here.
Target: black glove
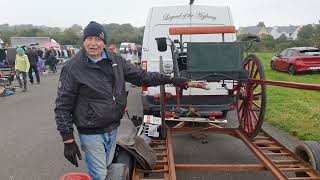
(71, 151)
(180, 82)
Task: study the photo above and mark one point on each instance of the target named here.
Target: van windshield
(124, 46)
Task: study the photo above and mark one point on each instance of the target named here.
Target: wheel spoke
(256, 73)
(256, 105)
(243, 117)
(255, 86)
(240, 119)
(252, 69)
(249, 120)
(253, 122)
(241, 105)
(255, 116)
(257, 94)
(248, 66)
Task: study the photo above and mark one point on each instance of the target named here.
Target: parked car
(297, 59)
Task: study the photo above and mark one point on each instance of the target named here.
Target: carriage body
(222, 62)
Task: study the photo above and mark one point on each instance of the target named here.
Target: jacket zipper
(113, 95)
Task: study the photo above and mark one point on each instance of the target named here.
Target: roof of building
(286, 29)
(253, 29)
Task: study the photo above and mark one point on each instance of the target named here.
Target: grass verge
(294, 111)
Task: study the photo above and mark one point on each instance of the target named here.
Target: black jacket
(87, 100)
(32, 56)
(52, 60)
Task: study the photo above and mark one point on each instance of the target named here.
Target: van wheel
(118, 171)
(291, 70)
(309, 151)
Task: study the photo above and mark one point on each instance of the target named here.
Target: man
(92, 95)
(33, 59)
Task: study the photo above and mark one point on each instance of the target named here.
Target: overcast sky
(64, 13)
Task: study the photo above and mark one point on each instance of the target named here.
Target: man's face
(94, 46)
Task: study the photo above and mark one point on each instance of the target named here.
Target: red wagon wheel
(252, 98)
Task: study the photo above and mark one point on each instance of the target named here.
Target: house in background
(291, 32)
(259, 30)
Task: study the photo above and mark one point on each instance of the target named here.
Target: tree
(116, 33)
(76, 28)
(268, 42)
(317, 35)
(70, 37)
(306, 35)
(282, 38)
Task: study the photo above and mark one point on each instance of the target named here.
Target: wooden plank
(159, 148)
(221, 167)
(285, 161)
(271, 148)
(161, 155)
(263, 142)
(261, 137)
(162, 162)
(277, 154)
(289, 165)
(295, 169)
(136, 175)
(172, 170)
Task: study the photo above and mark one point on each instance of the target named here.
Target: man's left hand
(180, 82)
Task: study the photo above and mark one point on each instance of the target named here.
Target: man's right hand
(71, 151)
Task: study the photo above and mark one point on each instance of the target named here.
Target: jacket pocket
(100, 114)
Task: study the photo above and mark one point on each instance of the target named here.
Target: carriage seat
(214, 61)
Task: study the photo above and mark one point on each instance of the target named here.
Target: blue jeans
(99, 150)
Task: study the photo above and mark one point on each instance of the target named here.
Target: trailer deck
(272, 155)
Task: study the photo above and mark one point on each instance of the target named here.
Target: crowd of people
(34, 62)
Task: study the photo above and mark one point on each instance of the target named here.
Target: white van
(124, 47)
(158, 22)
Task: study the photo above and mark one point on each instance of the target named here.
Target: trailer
(223, 62)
